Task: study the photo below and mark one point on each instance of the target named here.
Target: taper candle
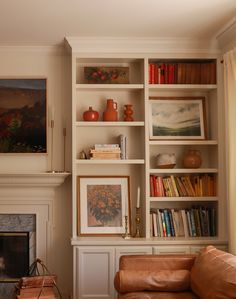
(138, 198)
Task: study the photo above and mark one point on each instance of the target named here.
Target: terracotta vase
(128, 112)
(192, 159)
(111, 113)
(90, 115)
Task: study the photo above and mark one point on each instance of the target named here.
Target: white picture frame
(103, 203)
(177, 118)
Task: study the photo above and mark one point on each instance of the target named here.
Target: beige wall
(52, 64)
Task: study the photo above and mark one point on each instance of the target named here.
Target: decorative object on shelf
(103, 204)
(64, 149)
(137, 217)
(177, 118)
(52, 140)
(192, 159)
(82, 155)
(165, 161)
(90, 115)
(106, 75)
(105, 151)
(137, 221)
(126, 235)
(111, 113)
(23, 118)
(123, 146)
(128, 112)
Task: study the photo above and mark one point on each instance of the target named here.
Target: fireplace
(17, 249)
(14, 255)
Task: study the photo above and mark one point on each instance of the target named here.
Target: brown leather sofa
(210, 275)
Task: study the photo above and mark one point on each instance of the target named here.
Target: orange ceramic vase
(192, 159)
(128, 112)
(90, 115)
(111, 113)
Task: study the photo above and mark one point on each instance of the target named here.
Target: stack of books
(195, 222)
(35, 293)
(105, 152)
(34, 287)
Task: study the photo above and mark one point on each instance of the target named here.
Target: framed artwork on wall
(103, 203)
(23, 115)
(177, 118)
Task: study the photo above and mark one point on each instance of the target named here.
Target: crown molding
(43, 49)
(226, 36)
(141, 45)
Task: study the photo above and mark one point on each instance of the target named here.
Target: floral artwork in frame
(106, 75)
(103, 204)
(23, 106)
(177, 118)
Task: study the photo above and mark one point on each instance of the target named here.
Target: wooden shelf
(109, 86)
(110, 124)
(183, 170)
(183, 142)
(185, 199)
(122, 161)
(183, 87)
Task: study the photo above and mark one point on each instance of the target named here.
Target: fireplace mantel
(42, 179)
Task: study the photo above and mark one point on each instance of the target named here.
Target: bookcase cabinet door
(171, 249)
(94, 273)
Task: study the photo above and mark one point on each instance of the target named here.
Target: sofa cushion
(213, 275)
(160, 280)
(157, 262)
(158, 295)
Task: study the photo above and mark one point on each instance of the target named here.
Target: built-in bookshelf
(149, 78)
(200, 204)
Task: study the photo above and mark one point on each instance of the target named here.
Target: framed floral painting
(103, 203)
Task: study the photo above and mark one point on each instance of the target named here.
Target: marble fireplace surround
(33, 193)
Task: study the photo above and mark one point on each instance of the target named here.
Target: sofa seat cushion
(160, 280)
(158, 295)
(213, 275)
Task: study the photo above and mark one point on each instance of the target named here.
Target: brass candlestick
(126, 235)
(137, 221)
(64, 145)
(52, 157)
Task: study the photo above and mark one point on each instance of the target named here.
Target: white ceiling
(49, 21)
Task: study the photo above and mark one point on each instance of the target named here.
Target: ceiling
(47, 22)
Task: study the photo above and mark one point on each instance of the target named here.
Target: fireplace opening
(14, 255)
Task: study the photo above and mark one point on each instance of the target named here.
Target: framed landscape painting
(177, 118)
(103, 203)
(23, 105)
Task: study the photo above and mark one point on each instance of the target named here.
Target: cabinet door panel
(94, 273)
(128, 250)
(171, 249)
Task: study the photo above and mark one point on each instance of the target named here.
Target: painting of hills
(23, 116)
(177, 119)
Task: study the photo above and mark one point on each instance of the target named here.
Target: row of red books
(182, 73)
(187, 185)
